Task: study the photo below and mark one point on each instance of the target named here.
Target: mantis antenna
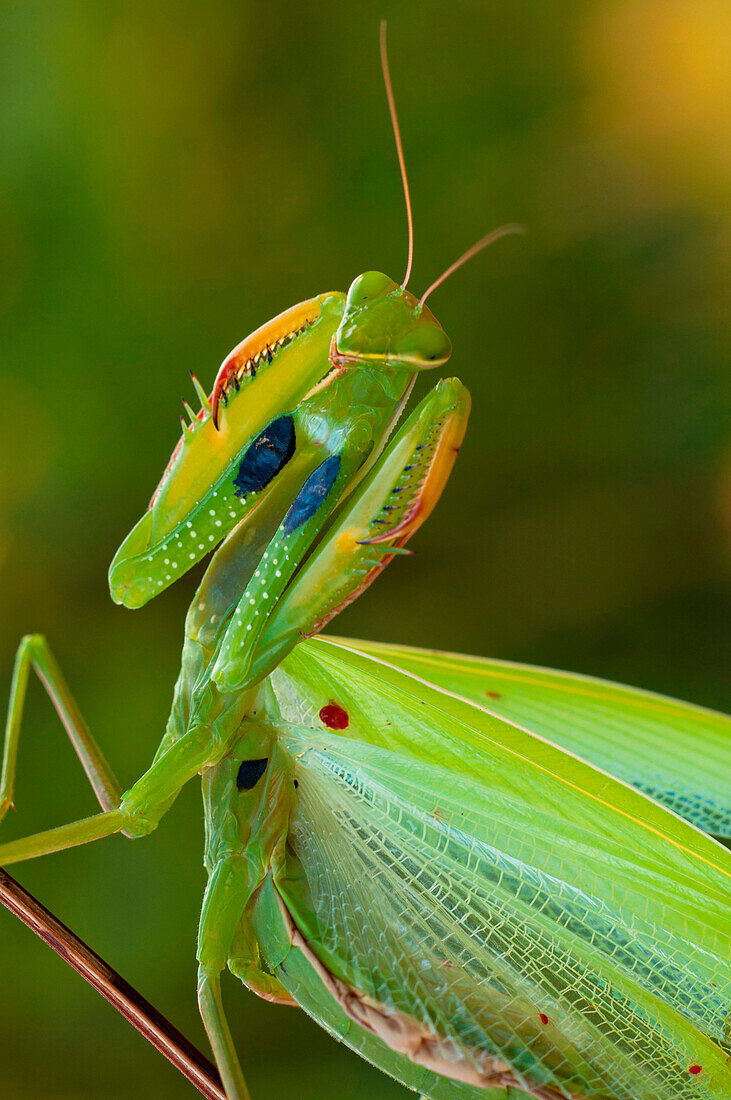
(501, 231)
(399, 149)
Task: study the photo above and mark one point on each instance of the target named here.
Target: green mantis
(489, 880)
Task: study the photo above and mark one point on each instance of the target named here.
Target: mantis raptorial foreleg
(35, 653)
(311, 507)
(276, 608)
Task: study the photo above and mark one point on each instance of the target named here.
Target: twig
(139, 1012)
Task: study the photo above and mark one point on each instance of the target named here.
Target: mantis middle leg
(139, 809)
(35, 653)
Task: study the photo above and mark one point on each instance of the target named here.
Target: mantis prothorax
(428, 853)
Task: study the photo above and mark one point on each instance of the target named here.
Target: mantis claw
(398, 494)
(312, 504)
(392, 550)
(197, 503)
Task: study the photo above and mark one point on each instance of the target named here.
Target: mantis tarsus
(444, 860)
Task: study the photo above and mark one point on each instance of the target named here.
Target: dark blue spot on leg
(265, 457)
(312, 494)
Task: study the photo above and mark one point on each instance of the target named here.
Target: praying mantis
(492, 881)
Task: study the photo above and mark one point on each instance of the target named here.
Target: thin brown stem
(140, 1013)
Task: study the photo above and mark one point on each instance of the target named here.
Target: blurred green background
(175, 173)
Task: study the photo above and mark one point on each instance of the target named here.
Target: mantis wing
(517, 917)
(675, 752)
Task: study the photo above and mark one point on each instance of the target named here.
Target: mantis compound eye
(425, 347)
(249, 773)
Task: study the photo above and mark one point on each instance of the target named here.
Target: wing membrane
(504, 894)
(676, 753)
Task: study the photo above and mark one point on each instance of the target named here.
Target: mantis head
(384, 323)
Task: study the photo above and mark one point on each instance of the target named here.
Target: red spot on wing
(334, 717)
(543, 1018)
(494, 694)
(695, 1068)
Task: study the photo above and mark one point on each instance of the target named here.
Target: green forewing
(503, 893)
(676, 753)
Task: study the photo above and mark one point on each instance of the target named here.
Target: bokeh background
(173, 174)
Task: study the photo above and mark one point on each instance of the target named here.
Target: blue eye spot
(266, 456)
(312, 494)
